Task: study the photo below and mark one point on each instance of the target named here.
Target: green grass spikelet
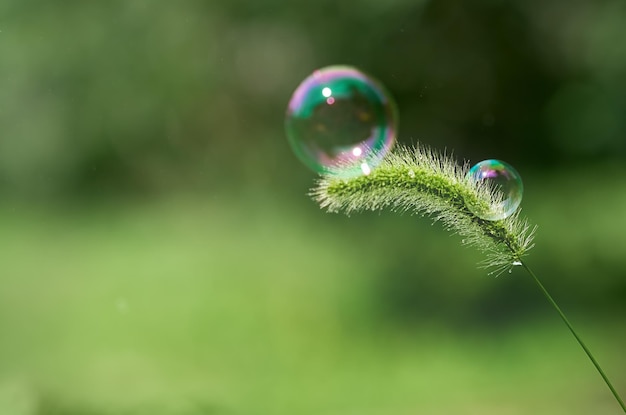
(419, 180)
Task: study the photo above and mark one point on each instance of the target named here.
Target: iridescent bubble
(341, 121)
(507, 184)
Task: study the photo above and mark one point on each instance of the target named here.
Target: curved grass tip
(423, 181)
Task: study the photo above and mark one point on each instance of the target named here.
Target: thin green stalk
(578, 339)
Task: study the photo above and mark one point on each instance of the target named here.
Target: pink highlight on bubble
(330, 100)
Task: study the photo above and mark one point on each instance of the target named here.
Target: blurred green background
(159, 255)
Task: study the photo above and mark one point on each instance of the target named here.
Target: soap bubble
(506, 183)
(341, 121)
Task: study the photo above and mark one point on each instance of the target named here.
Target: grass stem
(582, 344)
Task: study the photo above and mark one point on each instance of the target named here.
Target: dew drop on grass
(341, 121)
(507, 184)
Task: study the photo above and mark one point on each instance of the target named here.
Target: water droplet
(506, 183)
(341, 121)
(517, 264)
(411, 174)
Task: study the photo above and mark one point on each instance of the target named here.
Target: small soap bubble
(341, 121)
(506, 183)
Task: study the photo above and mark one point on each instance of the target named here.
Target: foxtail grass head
(423, 181)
